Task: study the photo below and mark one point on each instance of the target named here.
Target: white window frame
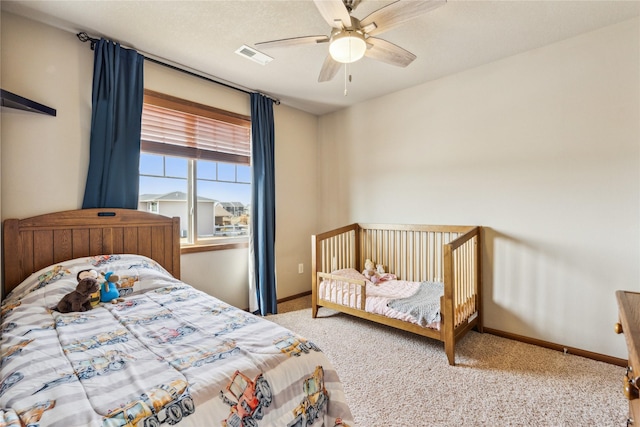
(229, 145)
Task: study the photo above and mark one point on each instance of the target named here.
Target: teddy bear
(370, 271)
(80, 299)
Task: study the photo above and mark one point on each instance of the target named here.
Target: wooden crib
(437, 253)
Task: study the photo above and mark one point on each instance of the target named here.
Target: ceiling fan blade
(334, 12)
(294, 41)
(388, 52)
(330, 68)
(396, 13)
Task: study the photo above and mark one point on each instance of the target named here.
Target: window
(195, 164)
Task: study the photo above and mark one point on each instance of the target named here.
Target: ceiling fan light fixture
(347, 46)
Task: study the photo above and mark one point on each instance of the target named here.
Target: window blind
(175, 127)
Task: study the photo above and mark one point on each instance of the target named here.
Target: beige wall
(542, 148)
(44, 162)
(45, 159)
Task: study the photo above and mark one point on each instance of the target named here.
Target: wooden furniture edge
(10, 258)
(629, 326)
(417, 227)
(480, 306)
(92, 216)
(175, 249)
(388, 321)
(329, 276)
(447, 306)
(631, 330)
(331, 233)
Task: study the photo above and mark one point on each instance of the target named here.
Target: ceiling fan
(351, 38)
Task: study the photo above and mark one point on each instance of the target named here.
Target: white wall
(45, 159)
(542, 149)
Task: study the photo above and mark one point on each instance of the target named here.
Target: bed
(162, 353)
(429, 281)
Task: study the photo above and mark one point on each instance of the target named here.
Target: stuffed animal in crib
(375, 273)
(370, 271)
(108, 290)
(369, 268)
(80, 299)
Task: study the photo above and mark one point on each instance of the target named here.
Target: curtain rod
(84, 37)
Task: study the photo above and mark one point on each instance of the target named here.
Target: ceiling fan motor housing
(347, 46)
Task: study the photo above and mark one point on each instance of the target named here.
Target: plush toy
(91, 274)
(370, 271)
(80, 299)
(369, 267)
(375, 273)
(108, 290)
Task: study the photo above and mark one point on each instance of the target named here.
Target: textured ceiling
(203, 36)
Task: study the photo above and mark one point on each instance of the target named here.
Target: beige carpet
(393, 378)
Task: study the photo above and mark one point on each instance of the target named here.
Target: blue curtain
(118, 87)
(263, 206)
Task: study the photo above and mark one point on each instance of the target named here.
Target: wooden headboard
(33, 243)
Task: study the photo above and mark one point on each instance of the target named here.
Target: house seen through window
(194, 164)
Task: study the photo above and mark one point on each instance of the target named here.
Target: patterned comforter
(166, 354)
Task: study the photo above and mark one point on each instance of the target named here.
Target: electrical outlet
(300, 268)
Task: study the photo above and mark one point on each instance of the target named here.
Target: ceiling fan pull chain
(345, 78)
(346, 71)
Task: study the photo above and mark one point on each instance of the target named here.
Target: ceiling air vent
(254, 55)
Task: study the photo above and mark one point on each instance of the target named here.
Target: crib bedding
(167, 353)
(380, 297)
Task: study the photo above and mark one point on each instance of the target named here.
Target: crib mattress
(378, 295)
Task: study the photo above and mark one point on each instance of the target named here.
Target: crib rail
(354, 291)
(336, 249)
(411, 252)
(462, 272)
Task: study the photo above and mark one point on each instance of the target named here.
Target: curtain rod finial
(84, 37)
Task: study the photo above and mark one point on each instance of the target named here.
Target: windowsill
(191, 249)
